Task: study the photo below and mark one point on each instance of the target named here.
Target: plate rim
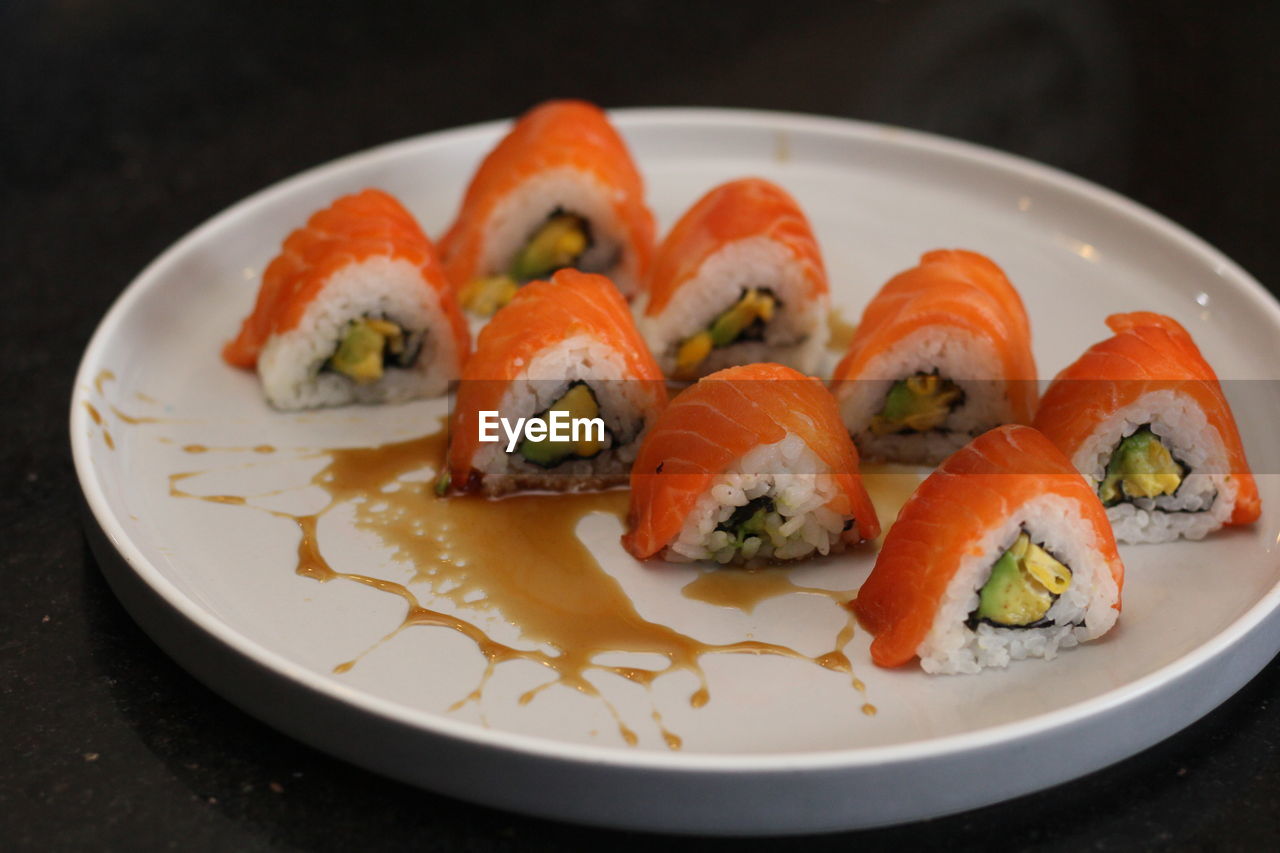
(621, 756)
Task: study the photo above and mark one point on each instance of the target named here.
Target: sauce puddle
(744, 589)
(519, 558)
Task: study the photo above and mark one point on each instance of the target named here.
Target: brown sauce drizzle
(536, 574)
(204, 448)
(103, 377)
(841, 331)
(744, 589)
(96, 417)
(134, 420)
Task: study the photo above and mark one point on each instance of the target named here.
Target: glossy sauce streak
(203, 448)
(519, 558)
(133, 420)
(102, 378)
(96, 417)
(744, 589)
(841, 331)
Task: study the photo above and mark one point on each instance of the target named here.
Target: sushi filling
(558, 243)
(1023, 585)
(745, 320)
(579, 402)
(370, 346)
(919, 403)
(743, 532)
(1141, 467)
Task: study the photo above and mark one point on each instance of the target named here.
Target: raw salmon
(711, 424)
(353, 229)
(541, 315)
(956, 288)
(557, 135)
(977, 488)
(738, 210)
(1149, 352)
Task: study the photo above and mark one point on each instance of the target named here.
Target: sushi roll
(559, 191)
(738, 280)
(354, 309)
(1143, 417)
(942, 353)
(1003, 553)
(749, 465)
(563, 349)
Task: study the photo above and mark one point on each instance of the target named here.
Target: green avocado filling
(919, 403)
(577, 402)
(748, 526)
(1140, 467)
(1023, 585)
(369, 346)
(559, 242)
(744, 320)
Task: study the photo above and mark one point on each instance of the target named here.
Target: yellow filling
(1140, 467)
(754, 305)
(692, 353)
(557, 244)
(918, 403)
(1023, 585)
(486, 295)
(360, 352)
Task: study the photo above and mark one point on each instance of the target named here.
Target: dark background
(123, 125)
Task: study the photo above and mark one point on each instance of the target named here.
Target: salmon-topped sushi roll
(1003, 553)
(738, 280)
(559, 191)
(354, 309)
(749, 465)
(1143, 417)
(558, 394)
(942, 353)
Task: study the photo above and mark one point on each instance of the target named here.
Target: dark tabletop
(125, 124)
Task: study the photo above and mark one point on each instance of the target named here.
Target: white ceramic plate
(781, 747)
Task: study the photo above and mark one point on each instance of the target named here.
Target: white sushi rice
(1085, 611)
(795, 336)
(965, 359)
(801, 487)
(380, 288)
(623, 402)
(518, 216)
(1205, 499)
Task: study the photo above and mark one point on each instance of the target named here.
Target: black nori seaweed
(743, 514)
